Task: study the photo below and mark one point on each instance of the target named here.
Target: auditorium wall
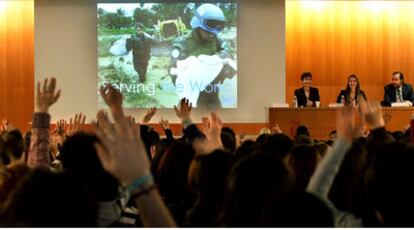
(65, 45)
(334, 39)
(17, 61)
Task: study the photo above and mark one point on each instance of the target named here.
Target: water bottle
(295, 102)
(343, 100)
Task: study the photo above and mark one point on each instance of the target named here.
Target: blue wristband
(139, 182)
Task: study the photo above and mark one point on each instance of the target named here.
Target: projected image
(158, 53)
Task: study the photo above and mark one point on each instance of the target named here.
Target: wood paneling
(321, 121)
(17, 61)
(334, 39)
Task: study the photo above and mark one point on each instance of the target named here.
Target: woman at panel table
(353, 93)
(307, 96)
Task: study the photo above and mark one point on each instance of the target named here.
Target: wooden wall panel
(334, 39)
(17, 61)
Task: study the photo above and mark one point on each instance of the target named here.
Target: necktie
(400, 97)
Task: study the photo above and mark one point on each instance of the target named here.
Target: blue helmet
(208, 17)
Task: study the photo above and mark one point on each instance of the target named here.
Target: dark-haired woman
(352, 94)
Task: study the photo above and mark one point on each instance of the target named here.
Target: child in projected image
(206, 24)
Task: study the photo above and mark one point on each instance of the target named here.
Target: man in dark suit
(398, 91)
(307, 96)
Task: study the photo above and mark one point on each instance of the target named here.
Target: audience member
(123, 173)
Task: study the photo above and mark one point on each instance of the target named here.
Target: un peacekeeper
(140, 43)
(206, 24)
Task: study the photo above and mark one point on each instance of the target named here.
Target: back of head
(161, 147)
(252, 182)
(302, 130)
(229, 131)
(79, 157)
(150, 138)
(388, 184)
(301, 209)
(208, 175)
(4, 153)
(303, 160)
(245, 149)
(265, 130)
(261, 139)
(303, 140)
(15, 143)
(229, 141)
(279, 144)
(45, 199)
(172, 172)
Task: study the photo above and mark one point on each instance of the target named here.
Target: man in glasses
(206, 24)
(398, 91)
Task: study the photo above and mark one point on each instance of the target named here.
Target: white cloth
(194, 74)
(119, 47)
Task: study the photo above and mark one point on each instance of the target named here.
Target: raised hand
(371, 112)
(6, 125)
(276, 129)
(121, 150)
(104, 123)
(61, 127)
(132, 122)
(205, 121)
(3, 126)
(150, 113)
(184, 110)
(101, 116)
(212, 131)
(112, 97)
(46, 95)
(164, 123)
(76, 124)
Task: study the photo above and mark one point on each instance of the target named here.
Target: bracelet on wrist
(136, 184)
(143, 191)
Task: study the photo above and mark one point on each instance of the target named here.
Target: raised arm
(166, 127)
(321, 181)
(324, 175)
(39, 145)
(149, 115)
(123, 154)
(212, 135)
(191, 131)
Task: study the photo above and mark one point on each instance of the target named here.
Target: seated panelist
(353, 93)
(398, 91)
(307, 96)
